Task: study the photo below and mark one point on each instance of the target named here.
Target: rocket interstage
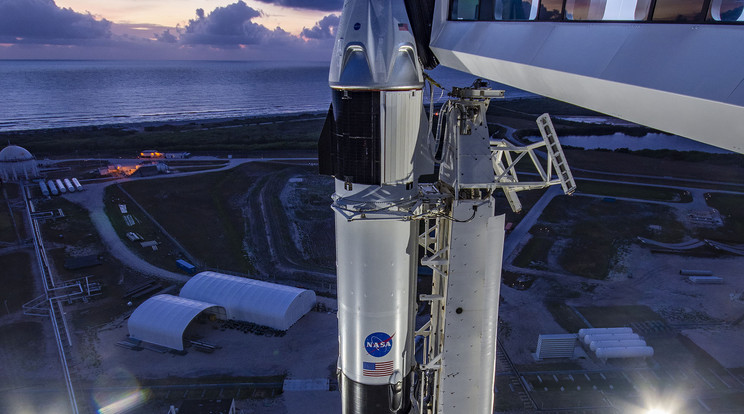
(369, 145)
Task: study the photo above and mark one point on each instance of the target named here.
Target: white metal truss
(506, 157)
(462, 241)
(433, 240)
(70, 291)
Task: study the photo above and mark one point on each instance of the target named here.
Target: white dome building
(17, 163)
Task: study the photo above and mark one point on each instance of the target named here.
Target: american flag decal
(403, 27)
(377, 369)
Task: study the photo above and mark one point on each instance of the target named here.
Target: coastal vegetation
(236, 137)
(233, 221)
(587, 235)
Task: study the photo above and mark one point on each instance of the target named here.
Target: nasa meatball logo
(378, 344)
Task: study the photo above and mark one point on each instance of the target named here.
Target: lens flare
(126, 403)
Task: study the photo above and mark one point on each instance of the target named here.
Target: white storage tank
(53, 188)
(60, 186)
(68, 185)
(706, 280)
(44, 188)
(594, 345)
(594, 331)
(588, 339)
(629, 352)
(77, 184)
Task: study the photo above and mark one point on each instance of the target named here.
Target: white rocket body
(369, 145)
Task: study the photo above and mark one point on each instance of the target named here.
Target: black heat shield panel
(356, 137)
(327, 146)
(421, 15)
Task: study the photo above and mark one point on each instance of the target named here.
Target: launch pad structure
(376, 143)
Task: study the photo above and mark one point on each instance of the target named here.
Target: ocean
(56, 94)
(42, 94)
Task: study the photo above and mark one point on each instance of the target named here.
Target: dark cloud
(324, 29)
(32, 29)
(323, 5)
(166, 37)
(228, 26)
(43, 22)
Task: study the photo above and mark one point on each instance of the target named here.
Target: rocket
(371, 144)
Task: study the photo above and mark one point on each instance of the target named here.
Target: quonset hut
(17, 163)
(163, 319)
(262, 303)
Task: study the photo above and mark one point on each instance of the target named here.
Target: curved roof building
(162, 319)
(17, 163)
(263, 303)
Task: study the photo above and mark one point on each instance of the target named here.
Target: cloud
(43, 22)
(225, 27)
(39, 29)
(323, 5)
(166, 37)
(323, 29)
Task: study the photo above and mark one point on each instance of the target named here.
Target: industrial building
(262, 303)
(16, 163)
(163, 319)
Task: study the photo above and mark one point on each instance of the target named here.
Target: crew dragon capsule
(372, 144)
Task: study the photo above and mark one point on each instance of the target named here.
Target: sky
(301, 30)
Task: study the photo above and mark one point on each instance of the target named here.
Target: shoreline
(241, 120)
(207, 120)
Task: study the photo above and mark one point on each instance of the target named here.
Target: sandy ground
(308, 351)
(702, 312)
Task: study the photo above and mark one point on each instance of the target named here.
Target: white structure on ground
(624, 352)
(588, 339)
(17, 163)
(617, 343)
(263, 303)
(620, 342)
(162, 319)
(604, 331)
(556, 346)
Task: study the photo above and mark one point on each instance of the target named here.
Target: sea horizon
(50, 94)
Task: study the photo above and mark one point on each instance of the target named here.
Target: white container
(588, 339)
(53, 188)
(60, 186)
(616, 344)
(593, 331)
(629, 352)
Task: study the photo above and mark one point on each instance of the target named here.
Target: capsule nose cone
(355, 68)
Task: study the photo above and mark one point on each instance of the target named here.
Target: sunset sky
(168, 29)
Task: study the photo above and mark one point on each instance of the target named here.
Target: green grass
(18, 281)
(535, 251)
(612, 316)
(25, 341)
(236, 136)
(731, 208)
(167, 253)
(595, 231)
(565, 316)
(75, 228)
(640, 192)
(218, 216)
(7, 231)
(202, 213)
